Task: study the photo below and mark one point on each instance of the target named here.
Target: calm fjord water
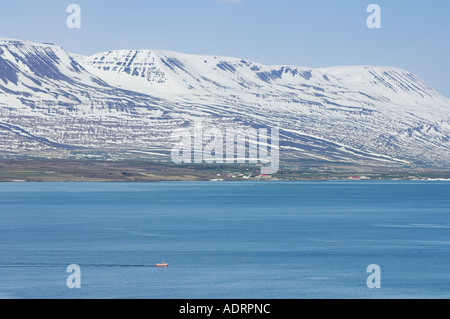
(225, 239)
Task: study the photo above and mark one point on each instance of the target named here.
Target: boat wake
(17, 265)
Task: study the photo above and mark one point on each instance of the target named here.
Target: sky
(414, 35)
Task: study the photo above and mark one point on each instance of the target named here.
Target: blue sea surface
(287, 240)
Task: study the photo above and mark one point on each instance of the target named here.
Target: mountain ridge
(125, 103)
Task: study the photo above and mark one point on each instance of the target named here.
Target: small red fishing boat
(162, 264)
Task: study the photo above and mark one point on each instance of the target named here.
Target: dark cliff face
(8, 72)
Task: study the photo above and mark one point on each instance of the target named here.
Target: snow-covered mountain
(126, 103)
(51, 106)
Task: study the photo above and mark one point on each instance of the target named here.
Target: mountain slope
(125, 104)
(381, 110)
(50, 106)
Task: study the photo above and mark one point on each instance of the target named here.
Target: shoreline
(58, 170)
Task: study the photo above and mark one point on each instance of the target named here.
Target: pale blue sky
(415, 35)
